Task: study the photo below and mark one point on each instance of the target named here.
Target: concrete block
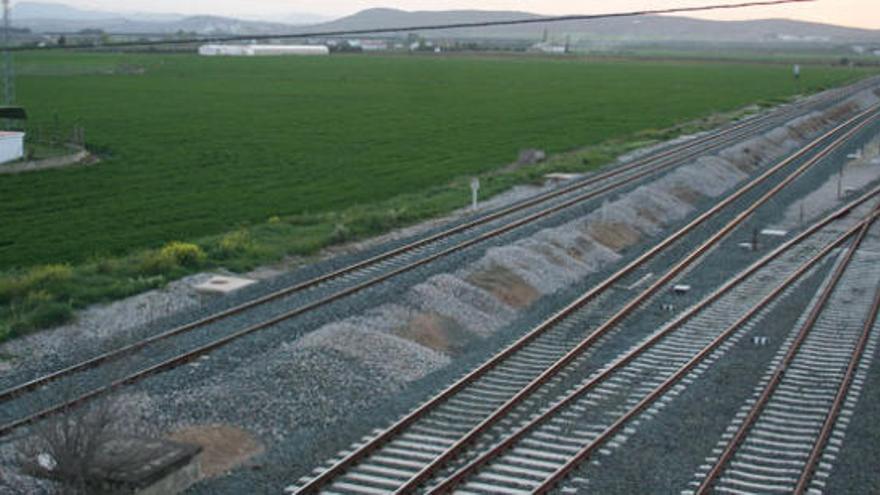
(222, 284)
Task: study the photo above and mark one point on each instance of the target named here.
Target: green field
(250, 160)
(196, 146)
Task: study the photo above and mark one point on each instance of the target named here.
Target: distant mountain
(51, 17)
(204, 25)
(660, 28)
(392, 18)
(40, 10)
(36, 11)
(302, 18)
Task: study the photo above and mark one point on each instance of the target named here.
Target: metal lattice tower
(8, 68)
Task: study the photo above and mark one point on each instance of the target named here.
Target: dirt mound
(436, 332)
(505, 285)
(224, 447)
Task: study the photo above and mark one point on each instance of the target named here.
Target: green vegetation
(782, 54)
(251, 160)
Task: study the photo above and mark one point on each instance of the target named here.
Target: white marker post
(475, 192)
(797, 71)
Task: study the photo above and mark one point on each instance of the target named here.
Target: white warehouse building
(11, 146)
(261, 50)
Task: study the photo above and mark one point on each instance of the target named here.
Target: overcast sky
(860, 13)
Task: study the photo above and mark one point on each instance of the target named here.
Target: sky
(856, 13)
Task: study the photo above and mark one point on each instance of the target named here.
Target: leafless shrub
(82, 446)
(76, 447)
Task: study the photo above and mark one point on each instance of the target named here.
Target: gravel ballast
(307, 389)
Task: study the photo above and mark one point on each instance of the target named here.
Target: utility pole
(8, 68)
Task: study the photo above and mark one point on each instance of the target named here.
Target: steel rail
(621, 314)
(465, 471)
(387, 434)
(658, 162)
(779, 371)
(660, 390)
(839, 399)
(188, 356)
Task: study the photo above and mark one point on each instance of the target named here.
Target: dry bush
(71, 447)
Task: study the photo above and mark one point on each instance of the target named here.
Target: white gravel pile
(372, 349)
(449, 295)
(711, 175)
(529, 260)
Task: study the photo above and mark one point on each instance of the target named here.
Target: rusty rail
(839, 399)
(659, 391)
(779, 372)
(315, 484)
(449, 483)
(618, 317)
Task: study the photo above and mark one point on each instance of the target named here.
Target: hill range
(50, 17)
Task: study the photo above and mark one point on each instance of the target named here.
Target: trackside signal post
(475, 193)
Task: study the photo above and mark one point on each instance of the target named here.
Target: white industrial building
(549, 48)
(374, 45)
(11, 146)
(262, 50)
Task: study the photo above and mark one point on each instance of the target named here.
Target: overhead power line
(429, 27)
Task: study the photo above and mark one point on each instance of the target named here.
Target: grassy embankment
(252, 160)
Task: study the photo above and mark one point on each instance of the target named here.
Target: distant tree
(62, 40)
(345, 47)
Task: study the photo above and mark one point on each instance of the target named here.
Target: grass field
(195, 146)
(256, 158)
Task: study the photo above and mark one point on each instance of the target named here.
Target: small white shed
(270, 50)
(11, 146)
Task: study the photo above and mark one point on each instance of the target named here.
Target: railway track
(776, 442)
(406, 457)
(550, 446)
(398, 260)
(159, 352)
